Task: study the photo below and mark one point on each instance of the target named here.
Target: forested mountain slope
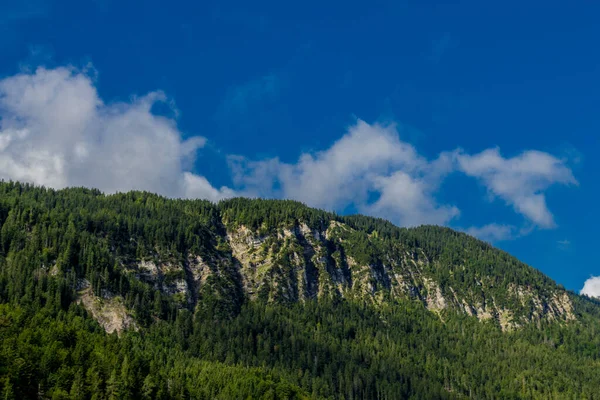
(134, 295)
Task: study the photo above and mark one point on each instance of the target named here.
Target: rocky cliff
(298, 263)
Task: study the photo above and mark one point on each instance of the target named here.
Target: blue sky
(483, 117)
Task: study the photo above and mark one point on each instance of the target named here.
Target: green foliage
(66, 355)
(222, 346)
(266, 215)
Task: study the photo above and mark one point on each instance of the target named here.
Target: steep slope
(446, 270)
(284, 252)
(299, 302)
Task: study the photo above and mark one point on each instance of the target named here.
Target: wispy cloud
(38, 55)
(493, 232)
(520, 181)
(564, 244)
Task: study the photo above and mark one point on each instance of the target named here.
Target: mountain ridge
(268, 247)
(284, 300)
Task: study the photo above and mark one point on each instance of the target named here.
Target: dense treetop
(227, 346)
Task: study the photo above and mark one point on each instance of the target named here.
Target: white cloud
(492, 232)
(368, 161)
(520, 181)
(56, 131)
(373, 171)
(347, 170)
(564, 244)
(591, 287)
(408, 201)
(197, 186)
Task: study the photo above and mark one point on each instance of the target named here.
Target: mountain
(134, 295)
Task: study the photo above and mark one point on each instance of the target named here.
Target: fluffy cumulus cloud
(56, 131)
(519, 181)
(373, 171)
(369, 168)
(409, 200)
(493, 232)
(591, 287)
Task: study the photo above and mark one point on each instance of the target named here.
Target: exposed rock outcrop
(298, 263)
(109, 311)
